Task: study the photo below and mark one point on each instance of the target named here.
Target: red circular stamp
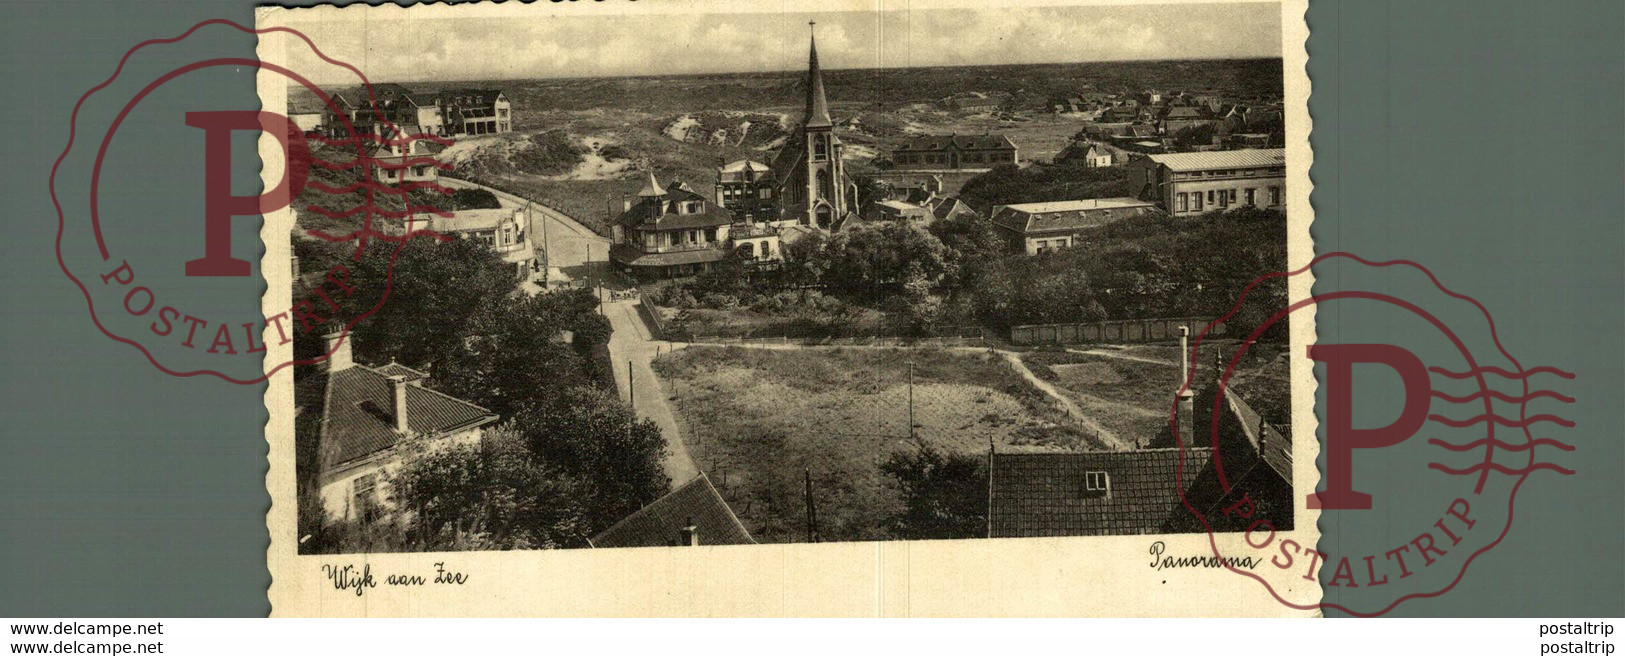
(1423, 459)
(202, 314)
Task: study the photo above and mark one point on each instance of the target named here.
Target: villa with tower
(667, 231)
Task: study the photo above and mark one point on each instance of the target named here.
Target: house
(955, 152)
(307, 110)
(746, 189)
(1089, 492)
(1184, 118)
(667, 233)
(400, 158)
(1187, 184)
(1035, 228)
(1086, 154)
(1150, 490)
(692, 515)
(896, 210)
(368, 414)
(475, 111)
(502, 230)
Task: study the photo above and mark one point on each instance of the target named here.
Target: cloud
(547, 45)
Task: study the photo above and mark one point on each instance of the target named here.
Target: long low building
(1187, 184)
(1036, 228)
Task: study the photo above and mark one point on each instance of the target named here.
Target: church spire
(817, 107)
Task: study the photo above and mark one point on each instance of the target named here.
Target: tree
(592, 436)
(871, 256)
(944, 494)
(494, 494)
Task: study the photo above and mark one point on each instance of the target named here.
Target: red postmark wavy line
(1503, 421)
(1497, 371)
(366, 232)
(372, 137)
(1501, 397)
(1490, 441)
(402, 190)
(1504, 470)
(1483, 473)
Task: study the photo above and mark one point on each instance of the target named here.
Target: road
(574, 251)
(631, 342)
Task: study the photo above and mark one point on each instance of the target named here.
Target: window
(1251, 199)
(1224, 198)
(1096, 484)
(1275, 195)
(1196, 201)
(1210, 197)
(364, 493)
(1184, 202)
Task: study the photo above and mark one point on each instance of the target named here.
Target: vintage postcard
(707, 308)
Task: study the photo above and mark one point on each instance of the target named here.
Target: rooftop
(1222, 159)
(1089, 493)
(358, 417)
(661, 523)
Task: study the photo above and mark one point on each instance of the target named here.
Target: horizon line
(802, 70)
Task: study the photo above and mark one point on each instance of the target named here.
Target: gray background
(1482, 139)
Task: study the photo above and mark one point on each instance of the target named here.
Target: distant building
(1035, 228)
(475, 111)
(955, 152)
(1086, 154)
(692, 515)
(1184, 118)
(399, 158)
(668, 233)
(367, 413)
(502, 230)
(1185, 184)
(746, 189)
(972, 103)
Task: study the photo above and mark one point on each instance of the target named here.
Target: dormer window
(1096, 485)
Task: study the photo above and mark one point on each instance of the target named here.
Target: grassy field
(1130, 389)
(759, 420)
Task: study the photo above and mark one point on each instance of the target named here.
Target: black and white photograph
(717, 277)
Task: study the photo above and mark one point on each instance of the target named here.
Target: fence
(651, 314)
(802, 333)
(1119, 331)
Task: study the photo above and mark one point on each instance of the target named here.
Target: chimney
(1186, 421)
(338, 347)
(397, 388)
(688, 536)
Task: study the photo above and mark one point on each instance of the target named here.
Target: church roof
(817, 115)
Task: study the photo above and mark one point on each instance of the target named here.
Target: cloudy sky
(549, 40)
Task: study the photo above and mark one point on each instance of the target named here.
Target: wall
(1129, 330)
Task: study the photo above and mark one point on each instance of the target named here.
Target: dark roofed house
(955, 151)
(1035, 228)
(367, 413)
(668, 232)
(1151, 490)
(1089, 493)
(694, 514)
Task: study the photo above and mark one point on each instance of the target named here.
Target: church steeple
(817, 115)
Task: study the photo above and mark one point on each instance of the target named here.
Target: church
(807, 181)
(671, 231)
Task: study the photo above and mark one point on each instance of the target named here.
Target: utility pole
(631, 388)
(911, 401)
(812, 513)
